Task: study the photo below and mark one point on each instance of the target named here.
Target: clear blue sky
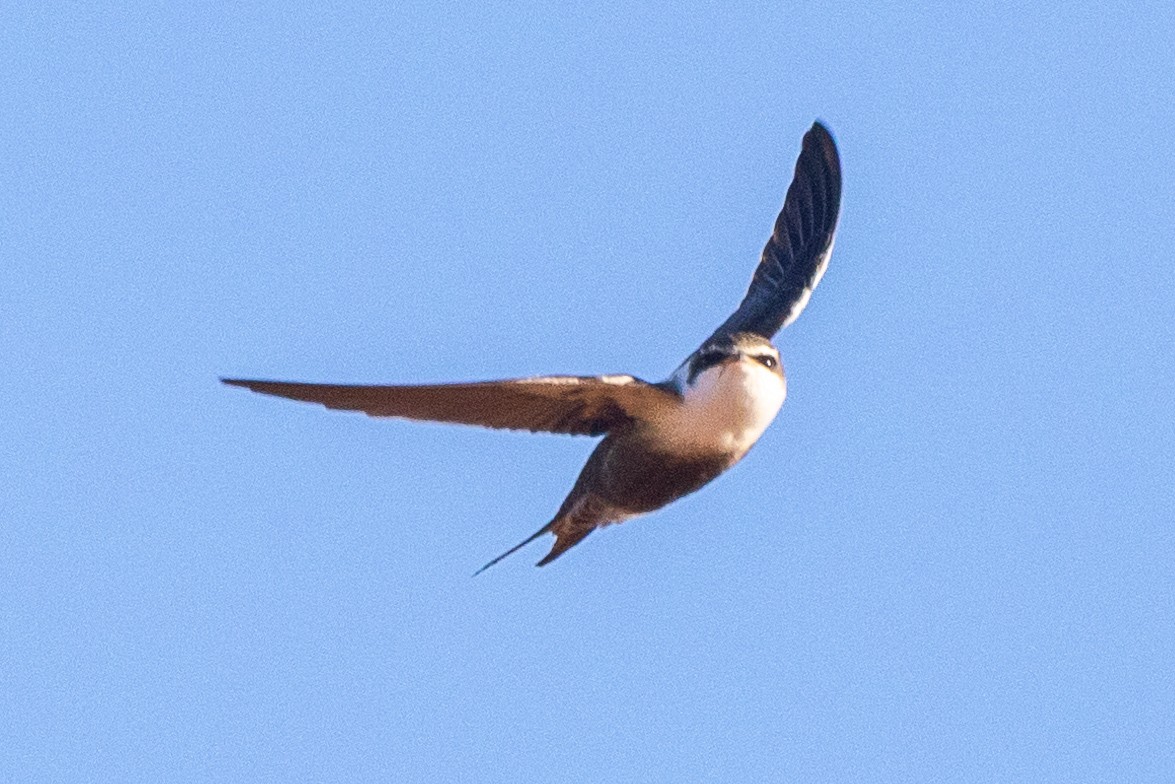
(952, 557)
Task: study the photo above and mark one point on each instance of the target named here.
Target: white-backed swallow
(661, 440)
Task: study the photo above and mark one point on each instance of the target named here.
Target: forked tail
(517, 547)
(567, 535)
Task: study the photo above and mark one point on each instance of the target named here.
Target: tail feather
(564, 541)
(517, 547)
(568, 533)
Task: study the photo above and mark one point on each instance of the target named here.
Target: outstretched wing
(578, 405)
(797, 253)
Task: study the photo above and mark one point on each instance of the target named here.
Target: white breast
(725, 410)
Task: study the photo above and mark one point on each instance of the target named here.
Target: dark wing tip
(820, 138)
(254, 385)
(818, 141)
(819, 133)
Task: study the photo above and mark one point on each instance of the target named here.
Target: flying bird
(661, 440)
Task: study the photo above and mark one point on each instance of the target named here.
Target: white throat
(725, 409)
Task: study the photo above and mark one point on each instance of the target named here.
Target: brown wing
(578, 405)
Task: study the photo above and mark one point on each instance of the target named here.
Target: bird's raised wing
(797, 253)
(578, 405)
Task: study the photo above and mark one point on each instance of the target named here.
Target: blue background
(951, 558)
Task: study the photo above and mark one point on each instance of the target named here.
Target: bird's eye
(766, 360)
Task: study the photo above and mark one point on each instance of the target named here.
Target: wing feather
(797, 254)
(577, 405)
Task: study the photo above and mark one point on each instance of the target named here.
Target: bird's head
(752, 352)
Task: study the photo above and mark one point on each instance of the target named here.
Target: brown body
(624, 478)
